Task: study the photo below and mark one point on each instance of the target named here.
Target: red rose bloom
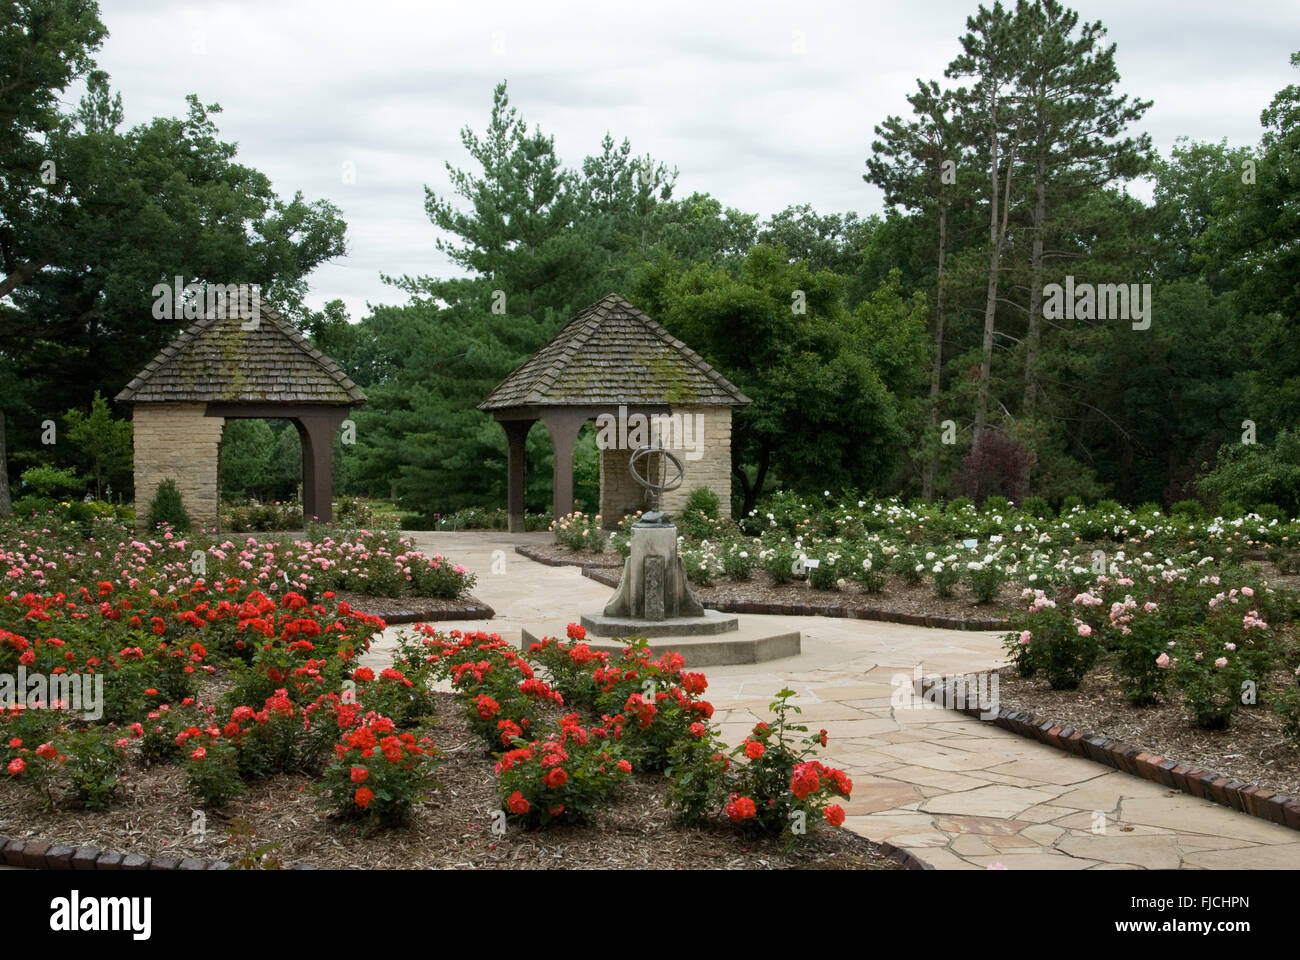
(754, 749)
(741, 808)
(359, 774)
(517, 803)
(17, 766)
(363, 797)
(834, 814)
(555, 778)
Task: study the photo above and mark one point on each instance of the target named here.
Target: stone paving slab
(956, 793)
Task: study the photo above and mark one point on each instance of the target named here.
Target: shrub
(996, 465)
(946, 572)
(579, 531)
(738, 560)
(1189, 510)
(870, 571)
(1256, 473)
(909, 565)
(212, 769)
(1141, 637)
(826, 574)
(985, 577)
(96, 759)
(167, 507)
(778, 561)
(377, 774)
(1209, 676)
(771, 786)
(1037, 507)
(51, 483)
(570, 666)
(1052, 640)
(565, 778)
(702, 507)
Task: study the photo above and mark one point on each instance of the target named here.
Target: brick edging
(610, 577)
(1189, 778)
(907, 858)
(40, 855)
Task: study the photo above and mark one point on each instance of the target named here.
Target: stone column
(563, 426)
(516, 447)
(177, 441)
(317, 433)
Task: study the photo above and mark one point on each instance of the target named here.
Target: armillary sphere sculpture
(652, 476)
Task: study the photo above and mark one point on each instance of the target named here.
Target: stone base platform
(712, 622)
(749, 642)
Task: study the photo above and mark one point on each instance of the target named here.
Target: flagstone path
(957, 793)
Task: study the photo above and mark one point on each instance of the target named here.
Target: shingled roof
(215, 360)
(612, 353)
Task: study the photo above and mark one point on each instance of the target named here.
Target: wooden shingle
(216, 360)
(612, 353)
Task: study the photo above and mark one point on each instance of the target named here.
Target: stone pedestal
(654, 586)
(654, 601)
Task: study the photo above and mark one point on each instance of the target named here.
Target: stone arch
(230, 366)
(613, 360)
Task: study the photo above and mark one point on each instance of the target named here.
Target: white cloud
(762, 105)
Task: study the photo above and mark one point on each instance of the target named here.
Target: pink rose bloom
(1024, 639)
(1085, 630)
(1221, 662)
(1162, 660)
(1248, 591)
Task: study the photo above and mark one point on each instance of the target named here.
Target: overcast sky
(762, 105)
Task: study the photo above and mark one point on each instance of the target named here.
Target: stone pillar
(654, 585)
(317, 434)
(701, 440)
(563, 426)
(178, 441)
(619, 493)
(516, 447)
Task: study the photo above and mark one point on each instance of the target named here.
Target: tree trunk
(1033, 333)
(990, 301)
(936, 367)
(6, 505)
(997, 236)
(755, 490)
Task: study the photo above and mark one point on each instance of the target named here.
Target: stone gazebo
(611, 363)
(224, 367)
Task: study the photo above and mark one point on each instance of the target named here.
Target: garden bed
(897, 602)
(1254, 750)
(279, 817)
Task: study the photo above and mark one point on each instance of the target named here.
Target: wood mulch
(278, 818)
(1253, 750)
